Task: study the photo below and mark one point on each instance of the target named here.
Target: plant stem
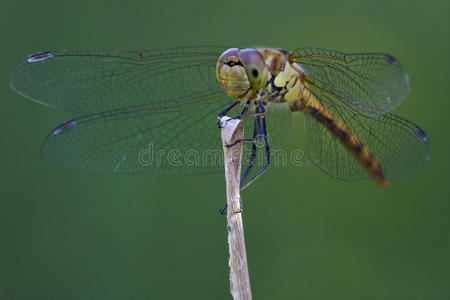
(233, 130)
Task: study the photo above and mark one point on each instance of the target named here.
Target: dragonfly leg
(243, 113)
(222, 211)
(245, 109)
(253, 153)
(258, 111)
(262, 132)
(225, 111)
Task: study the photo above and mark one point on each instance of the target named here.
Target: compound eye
(229, 55)
(255, 67)
(251, 57)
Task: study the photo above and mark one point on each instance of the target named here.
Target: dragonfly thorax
(284, 84)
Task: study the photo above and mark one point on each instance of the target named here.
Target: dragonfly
(156, 111)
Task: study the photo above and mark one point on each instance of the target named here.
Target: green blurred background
(71, 234)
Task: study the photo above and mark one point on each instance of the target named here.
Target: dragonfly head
(241, 70)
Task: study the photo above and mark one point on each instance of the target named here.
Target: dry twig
(233, 130)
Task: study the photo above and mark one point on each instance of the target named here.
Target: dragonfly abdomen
(362, 153)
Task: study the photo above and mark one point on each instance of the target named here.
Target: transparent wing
(149, 111)
(181, 139)
(402, 147)
(280, 125)
(369, 83)
(96, 81)
(177, 140)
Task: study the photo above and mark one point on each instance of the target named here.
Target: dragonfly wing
(96, 81)
(181, 139)
(401, 146)
(369, 83)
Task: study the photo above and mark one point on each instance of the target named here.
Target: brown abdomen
(360, 152)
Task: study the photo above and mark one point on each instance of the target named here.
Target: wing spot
(420, 133)
(391, 60)
(39, 57)
(64, 127)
